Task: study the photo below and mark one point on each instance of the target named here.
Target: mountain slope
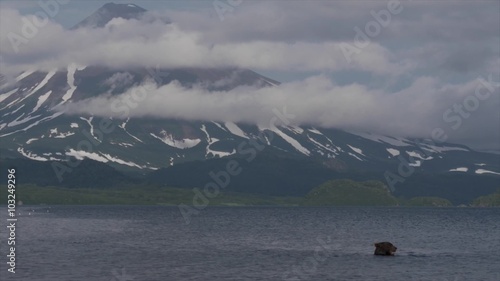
(109, 12)
(291, 159)
(32, 127)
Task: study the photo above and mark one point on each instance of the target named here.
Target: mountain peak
(110, 11)
(114, 5)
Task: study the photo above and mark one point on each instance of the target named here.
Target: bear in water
(385, 249)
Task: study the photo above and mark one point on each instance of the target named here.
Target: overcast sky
(340, 66)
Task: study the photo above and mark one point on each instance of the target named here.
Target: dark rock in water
(384, 249)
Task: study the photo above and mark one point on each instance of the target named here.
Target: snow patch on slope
(211, 141)
(382, 139)
(8, 94)
(220, 126)
(460, 169)
(41, 85)
(89, 121)
(24, 75)
(19, 122)
(63, 135)
(34, 124)
(441, 149)
(262, 129)
(72, 68)
(10, 104)
(104, 158)
(483, 171)
(169, 140)
(81, 154)
(357, 150)
(32, 156)
(295, 129)
(313, 130)
(17, 110)
(220, 154)
(124, 144)
(417, 163)
(393, 152)
(321, 146)
(41, 100)
(293, 142)
(355, 156)
(122, 162)
(123, 125)
(235, 130)
(418, 155)
(31, 140)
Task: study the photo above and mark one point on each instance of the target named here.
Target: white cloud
(416, 62)
(125, 43)
(414, 111)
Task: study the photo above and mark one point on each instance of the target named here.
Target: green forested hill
(350, 193)
(331, 193)
(426, 201)
(492, 200)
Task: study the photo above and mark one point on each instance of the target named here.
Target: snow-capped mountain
(110, 11)
(33, 127)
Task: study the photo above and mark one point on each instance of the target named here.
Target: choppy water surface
(266, 243)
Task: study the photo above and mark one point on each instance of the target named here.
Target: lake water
(120, 243)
